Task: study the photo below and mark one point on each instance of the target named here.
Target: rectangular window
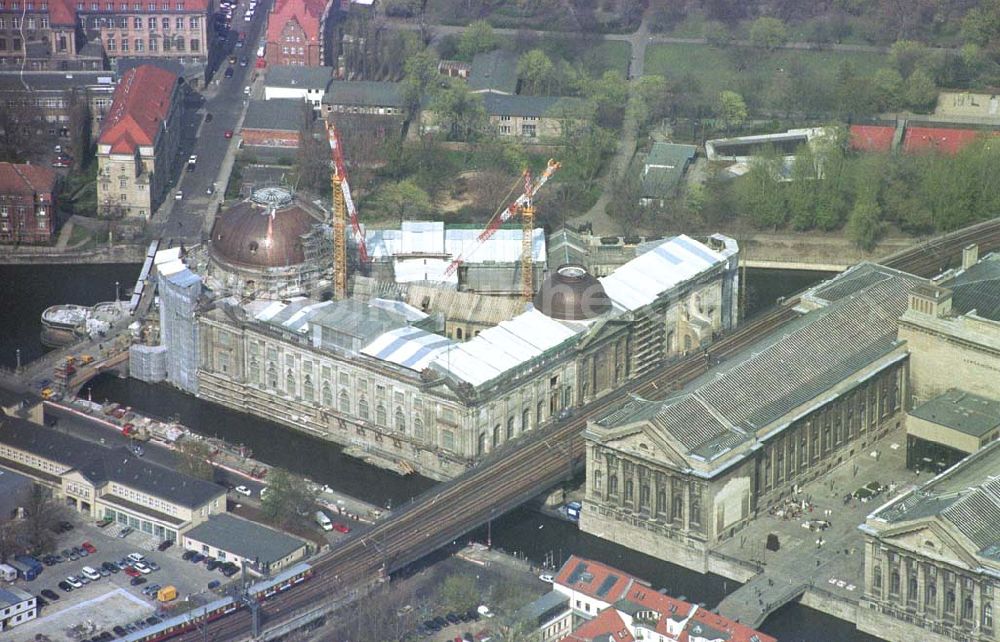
(137, 23)
(179, 23)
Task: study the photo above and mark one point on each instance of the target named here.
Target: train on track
(263, 590)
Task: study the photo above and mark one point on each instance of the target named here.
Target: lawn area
(715, 68)
(608, 55)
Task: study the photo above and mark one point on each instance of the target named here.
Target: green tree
(865, 223)
(979, 26)
(193, 459)
(537, 72)
(907, 55)
(654, 93)
(419, 74)
(921, 93)
(768, 33)
(887, 89)
(458, 593)
(801, 190)
(312, 166)
(289, 500)
(403, 200)
(759, 192)
(609, 95)
(460, 111)
(477, 38)
(732, 109)
(717, 34)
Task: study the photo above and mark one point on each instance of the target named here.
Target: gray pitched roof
(534, 106)
(364, 93)
(665, 165)
(496, 70)
(962, 411)
(245, 538)
(726, 405)
(280, 114)
(977, 288)
(316, 78)
(967, 495)
(100, 464)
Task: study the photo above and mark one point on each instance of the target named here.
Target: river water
(27, 290)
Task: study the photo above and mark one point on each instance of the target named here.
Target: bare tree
(42, 512)
(193, 459)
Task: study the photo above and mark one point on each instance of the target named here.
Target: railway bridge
(527, 467)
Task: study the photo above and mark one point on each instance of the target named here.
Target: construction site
(424, 348)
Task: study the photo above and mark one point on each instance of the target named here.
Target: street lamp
(116, 290)
(18, 353)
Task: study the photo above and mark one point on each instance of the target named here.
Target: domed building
(572, 294)
(271, 245)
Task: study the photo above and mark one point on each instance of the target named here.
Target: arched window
(613, 484)
(418, 428)
(877, 578)
(458, 333)
(290, 383)
(661, 502)
(911, 589)
(539, 413)
(481, 444)
(930, 594)
(677, 507)
(380, 416)
(597, 480)
(894, 582)
(510, 427)
(644, 496)
(525, 420)
(671, 342)
(628, 490)
(949, 602)
(363, 408)
(327, 395)
(987, 615)
(687, 342)
(400, 420)
(344, 402)
(496, 435)
(272, 377)
(307, 389)
(967, 609)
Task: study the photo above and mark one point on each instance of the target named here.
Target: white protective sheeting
(504, 347)
(640, 281)
(409, 347)
(432, 238)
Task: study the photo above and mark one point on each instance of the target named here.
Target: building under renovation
(382, 377)
(423, 251)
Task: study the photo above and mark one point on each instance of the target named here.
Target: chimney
(970, 256)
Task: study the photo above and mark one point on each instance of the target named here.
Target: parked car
(82, 552)
(197, 557)
(110, 566)
(138, 581)
(178, 195)
(228, 133)
(165, 544)
(229, 72)
(137, 557)
(214, 584)
(122, 564)
(120, 631)
(49, 593)
(90, 548)
(75, 583)
(142, 568)
(213, 564)
(187, 555)
(229, 569)
(65, 586)
(153, 566)
(243, 490)
(132, 572)
(341, 528)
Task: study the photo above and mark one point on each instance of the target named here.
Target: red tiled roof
(872, 138)
(307, 13)
(141, 103)
(26, 179)
(62, 13)
(942, 139)
(589, 576)
(608, 625)
(736, 632)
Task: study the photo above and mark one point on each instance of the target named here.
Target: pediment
(930, 538)
(644, 440)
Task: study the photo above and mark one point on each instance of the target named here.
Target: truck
(323, 521)
(167, 594)
(573, 510)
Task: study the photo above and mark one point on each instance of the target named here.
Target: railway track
(536, 461)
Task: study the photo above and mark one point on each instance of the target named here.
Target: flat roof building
(956, 422)
(234, 539)
(17, 606)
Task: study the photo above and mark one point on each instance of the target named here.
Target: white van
(260, 51)
(90, 574)
(323, 521)
(7, 573)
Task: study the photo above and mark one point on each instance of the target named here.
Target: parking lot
(113, 599)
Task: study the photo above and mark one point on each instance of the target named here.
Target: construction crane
(525, 205)
(343, 209)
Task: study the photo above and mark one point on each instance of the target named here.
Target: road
(184, 219)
